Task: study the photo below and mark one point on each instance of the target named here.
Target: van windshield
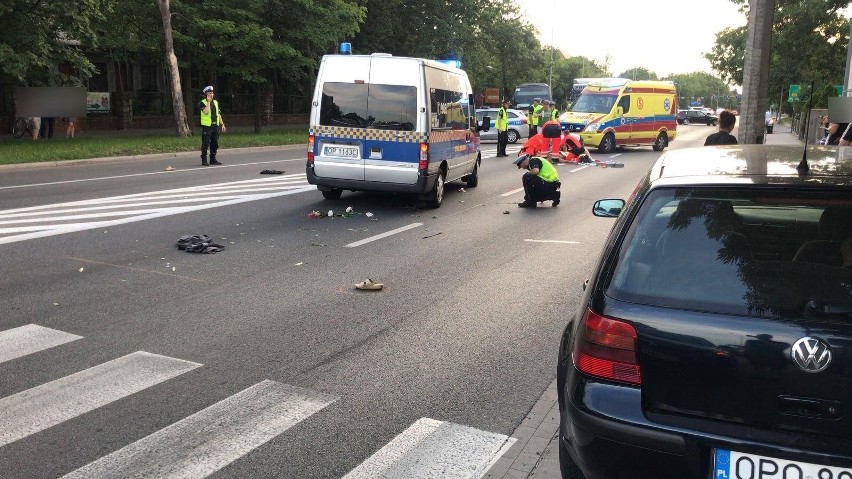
(524, 95)
(361, 105)
(594, 103)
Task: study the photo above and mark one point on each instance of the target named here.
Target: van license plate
(341, 151)
(736, 465)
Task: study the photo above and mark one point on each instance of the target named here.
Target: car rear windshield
(362, 105)
(775, 254)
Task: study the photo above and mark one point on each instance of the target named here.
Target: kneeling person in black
(541, 181)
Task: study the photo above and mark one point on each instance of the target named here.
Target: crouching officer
(541, 181)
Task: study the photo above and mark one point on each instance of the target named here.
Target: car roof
(754, 165)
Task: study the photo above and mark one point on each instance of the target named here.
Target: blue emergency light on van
(345, 48)
(396, 124)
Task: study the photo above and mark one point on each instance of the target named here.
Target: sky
(662, 36)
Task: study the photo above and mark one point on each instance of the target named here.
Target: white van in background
(397, 124)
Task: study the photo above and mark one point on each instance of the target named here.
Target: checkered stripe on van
(352, 133)
(448, 135)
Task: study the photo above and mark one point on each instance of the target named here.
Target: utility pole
(756, 71)
(847, 78)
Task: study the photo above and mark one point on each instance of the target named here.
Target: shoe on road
(214, 162)
(527, 204)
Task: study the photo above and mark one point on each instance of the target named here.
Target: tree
(181, 126)
(704, 86)
(38, 36)
(638, 73)
(756, 71)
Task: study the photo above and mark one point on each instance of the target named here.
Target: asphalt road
(122, 355)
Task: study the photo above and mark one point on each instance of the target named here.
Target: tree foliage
(638, 73)
(809, 41)
(704, 88)
(39, 35)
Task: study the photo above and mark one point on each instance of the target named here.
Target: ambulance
(396, 124)
(621, 112)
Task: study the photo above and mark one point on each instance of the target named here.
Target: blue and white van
(396, 124)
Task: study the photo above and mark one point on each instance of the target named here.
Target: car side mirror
(620, 111)
(485, 125)
(609, 208)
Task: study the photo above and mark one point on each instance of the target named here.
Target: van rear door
(341, 116)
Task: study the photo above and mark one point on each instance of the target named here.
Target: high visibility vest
(554, 114)
(547, 172)
(536, 120)
(502, 120)
(207, 118)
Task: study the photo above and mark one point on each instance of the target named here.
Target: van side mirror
(485, 125)
(620, 110)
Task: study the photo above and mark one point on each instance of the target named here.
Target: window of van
(449, 109)
(387, 107)
(624, 103)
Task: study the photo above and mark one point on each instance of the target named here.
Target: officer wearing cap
(541, 181)
(534, 116)
(211, 123)
(503, 128)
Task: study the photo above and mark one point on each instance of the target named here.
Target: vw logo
(811, 355)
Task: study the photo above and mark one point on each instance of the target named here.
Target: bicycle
(20, 127)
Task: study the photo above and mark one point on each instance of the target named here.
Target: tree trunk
(182, 128)
(756, 72)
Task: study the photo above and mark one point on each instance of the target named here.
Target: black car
(714, 337)
(686, 117)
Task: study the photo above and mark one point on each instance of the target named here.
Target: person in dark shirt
(727, 120)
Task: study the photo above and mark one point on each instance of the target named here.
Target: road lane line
(552, 241)
(430, 448)
(212, 438)
(31, 338)
(510, 193)
(383, 235)
(41, 407)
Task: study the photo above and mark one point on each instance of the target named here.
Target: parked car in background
(713, 337)
(686, 117)
(518, 126)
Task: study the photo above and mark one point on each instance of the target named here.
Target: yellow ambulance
(621, 112)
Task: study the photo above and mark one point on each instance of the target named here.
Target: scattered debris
(170, 168)
(435, 234)
(314, 214)
(81, 270)
(369, 285)
(271, 172)
(368, 214)
(462, 190)
(198, 244)
(330, 213)
(506, 212)
(300, 263)
(349, 209)
(318, 244)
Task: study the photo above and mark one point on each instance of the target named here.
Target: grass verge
(16, 151)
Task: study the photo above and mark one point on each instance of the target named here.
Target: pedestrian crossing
(206, 441)
(22, 224)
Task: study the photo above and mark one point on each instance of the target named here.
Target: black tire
(607, 144)
(513, 136)
(686, 121)
(715, 122)
(661, 142)
(333, 194)
(567, 466)
(19, 128)
(472, 180)
(436, 196)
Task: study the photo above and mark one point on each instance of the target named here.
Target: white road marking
(49, 220)
(41, 407)
(31, 338)
(430, 449)
(513, 192)
(383, 235)
(209, 440)
(552, 241)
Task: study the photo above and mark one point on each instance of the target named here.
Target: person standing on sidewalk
(503, 128)
(211, 122)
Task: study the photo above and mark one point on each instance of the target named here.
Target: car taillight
(606, 347)
(310, 150)
(424, 156)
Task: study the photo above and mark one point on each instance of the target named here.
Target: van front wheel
(607, 144)
(333, 194)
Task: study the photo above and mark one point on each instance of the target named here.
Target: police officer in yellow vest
(503, 128)
(554, 112)
(541, 181)
(534, 117)
(211, 122)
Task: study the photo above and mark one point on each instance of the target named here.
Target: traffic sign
(794, 93)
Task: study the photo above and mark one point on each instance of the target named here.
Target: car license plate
(341, 151)
(736, 465)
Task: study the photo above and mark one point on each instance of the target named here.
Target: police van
(397, 124)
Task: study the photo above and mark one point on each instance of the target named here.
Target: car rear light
(606, 347)
(424, 156)
(310, 150)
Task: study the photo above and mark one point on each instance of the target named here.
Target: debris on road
(369, 285)
(199, 244)
(271, 172)
(170, 168)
